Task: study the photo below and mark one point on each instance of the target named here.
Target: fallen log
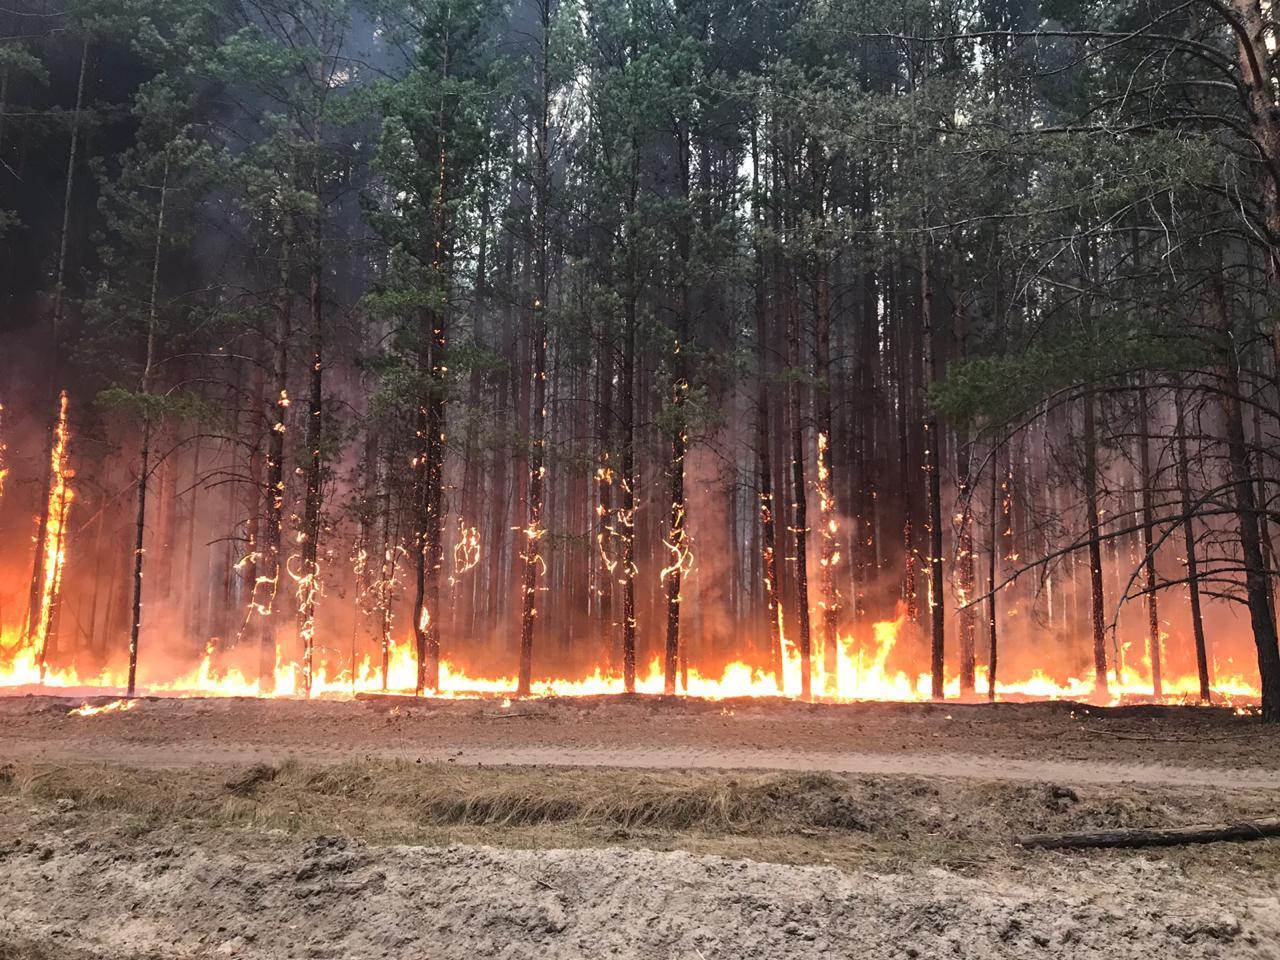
(1153, 836)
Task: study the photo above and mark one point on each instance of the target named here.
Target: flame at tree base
(861, 674)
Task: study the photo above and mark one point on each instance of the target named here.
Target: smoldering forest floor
(625, 828)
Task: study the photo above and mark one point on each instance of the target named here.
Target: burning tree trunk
(4, 449)
(430, 546)
(673, 573)
(144, 468)
(676, 539)
(270, 564)
(1148, 541)
(42, 623)
(432, 416)
(308, 576)
(605, 515)
(993, 559)
(768, 524)
(533, 562)
(829, 529)
(799, 509)
(248, 564)
(933, 473)
(829, 532)
(965, 573)
(627, 516)
(57, 420)
(910, 557)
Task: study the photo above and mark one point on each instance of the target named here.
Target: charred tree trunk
(140, 521)
(1148, 541)
(1096, 601)
(533, 562)
(965, 573)
(1189, 545)
(829, 530)
(768, 524)
(309, 536)
(993, 559)
(799, 509)
(38, 573)
(627, 517)
(933, 473)
(1257, 591)
(673, 572)
(271, 565)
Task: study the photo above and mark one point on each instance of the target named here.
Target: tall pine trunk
(140, 521)
(799, 508)
(1148, 541)
(676, 541)
(271, 564)
(768, 522)
(933, 474)
(38, 573)
(1096, 600)
(1189, 546)
(534, 533)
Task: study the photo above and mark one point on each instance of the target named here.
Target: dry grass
(784, 817)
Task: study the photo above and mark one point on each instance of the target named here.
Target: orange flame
(115, 706)
(55, 538)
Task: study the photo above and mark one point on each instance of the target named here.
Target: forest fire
(861, 674)
(862, 667)
(843, 437)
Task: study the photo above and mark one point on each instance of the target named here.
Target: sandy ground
(923, 866)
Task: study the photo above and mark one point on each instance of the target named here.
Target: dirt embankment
(125, 866)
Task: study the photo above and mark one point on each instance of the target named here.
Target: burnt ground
(388, 827)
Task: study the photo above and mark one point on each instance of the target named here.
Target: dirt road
(1041, 741)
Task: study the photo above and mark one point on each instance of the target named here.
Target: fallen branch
(1153, 837)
